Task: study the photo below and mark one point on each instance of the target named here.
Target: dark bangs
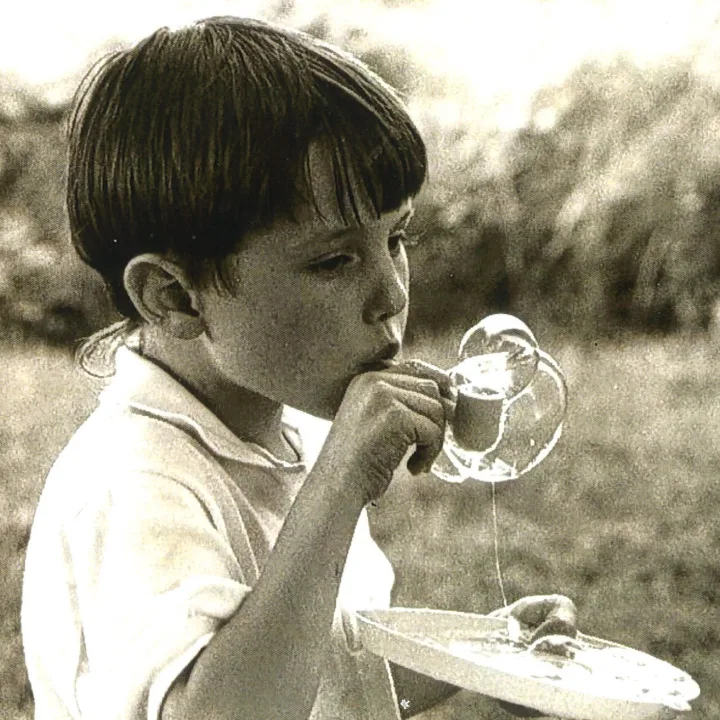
(376, 148)
(195, 137)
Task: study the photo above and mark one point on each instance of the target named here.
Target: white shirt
(154, 524)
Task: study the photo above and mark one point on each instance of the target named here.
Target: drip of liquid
(511, 403)
(497, 547)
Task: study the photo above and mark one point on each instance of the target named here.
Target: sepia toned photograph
(360, 360)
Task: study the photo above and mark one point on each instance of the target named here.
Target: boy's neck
(252, 417)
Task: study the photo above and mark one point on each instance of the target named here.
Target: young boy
(244, 191)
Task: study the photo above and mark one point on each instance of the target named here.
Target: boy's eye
(332, 264)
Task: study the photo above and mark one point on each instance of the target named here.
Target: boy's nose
(390, 298)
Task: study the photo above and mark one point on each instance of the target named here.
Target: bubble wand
(511, 404)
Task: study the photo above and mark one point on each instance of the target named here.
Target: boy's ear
(164, 296)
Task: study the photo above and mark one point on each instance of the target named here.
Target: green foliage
(44, 400)
(44, 289)
(599, 215)
(622, 517)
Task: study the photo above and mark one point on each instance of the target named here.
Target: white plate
(431, 642)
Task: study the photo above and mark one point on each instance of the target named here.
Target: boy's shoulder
(116, 446)
(120, 444)
(122, 437)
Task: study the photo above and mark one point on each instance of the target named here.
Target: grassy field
(623, 517)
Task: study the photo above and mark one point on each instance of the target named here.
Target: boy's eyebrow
(342, 232)
(337, 234)
(402, 222)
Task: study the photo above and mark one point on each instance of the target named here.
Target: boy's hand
(386, 412)
(538, 616)
(541, 615)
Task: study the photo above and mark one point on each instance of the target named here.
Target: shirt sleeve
(366, 584)
(155, 579)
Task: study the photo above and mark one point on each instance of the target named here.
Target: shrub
(599, 216)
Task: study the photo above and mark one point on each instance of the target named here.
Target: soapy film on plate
(582, 664)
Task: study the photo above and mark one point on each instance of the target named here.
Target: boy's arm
(421, 692)
(266, 660)
(427, 692)
(539, 614)
(416, 692)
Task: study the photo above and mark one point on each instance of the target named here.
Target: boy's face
(314, 302)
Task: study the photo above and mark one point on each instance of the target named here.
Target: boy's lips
(386, 357)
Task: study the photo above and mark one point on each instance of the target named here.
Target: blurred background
(574, 181)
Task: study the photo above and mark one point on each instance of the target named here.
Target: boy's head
(194, 138)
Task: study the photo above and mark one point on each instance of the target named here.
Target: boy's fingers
(428, 441)
(557, 625)
(425, 371)
(534, 609)
(547, 614)
(421, 369)
(423, 421)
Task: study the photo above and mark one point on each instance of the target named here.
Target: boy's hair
(194, 137)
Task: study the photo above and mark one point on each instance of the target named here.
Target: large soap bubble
(512, 400)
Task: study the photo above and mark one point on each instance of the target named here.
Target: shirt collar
(144, 386)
